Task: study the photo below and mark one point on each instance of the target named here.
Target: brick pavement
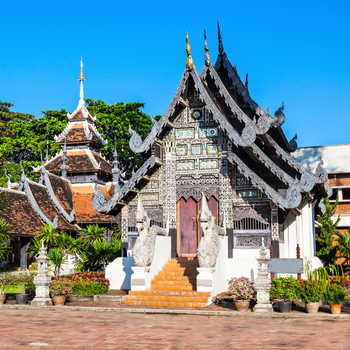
(63, 329)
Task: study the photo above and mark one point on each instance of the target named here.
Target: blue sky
(294, 51)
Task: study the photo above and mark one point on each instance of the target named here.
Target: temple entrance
(189, 231)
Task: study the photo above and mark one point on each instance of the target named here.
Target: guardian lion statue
(144, 247)
(208, 247)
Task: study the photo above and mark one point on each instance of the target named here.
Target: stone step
(173, 287)
(176, 298)
(171, 283)
(176, 278)
(177, 274)
(163, 303)
(170, 292)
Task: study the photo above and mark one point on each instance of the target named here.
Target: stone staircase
(175, 285)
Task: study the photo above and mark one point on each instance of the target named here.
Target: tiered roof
(266, 159)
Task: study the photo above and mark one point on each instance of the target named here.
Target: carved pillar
(274, 222)
(124, 229)
(169, 188)
(225, 192)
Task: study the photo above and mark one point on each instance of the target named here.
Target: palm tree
(57, 258)
(49, 234)
(93, 233)
(34, 247)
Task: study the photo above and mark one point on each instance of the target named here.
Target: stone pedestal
(42, 280)
(140, 279)
(205, 279)
(119, 273)
(263, 283)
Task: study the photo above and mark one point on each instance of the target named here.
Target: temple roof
(79, 161)
(20, 213)
(277, 169)
(85, 213)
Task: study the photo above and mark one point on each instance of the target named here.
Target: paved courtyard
(41, 329)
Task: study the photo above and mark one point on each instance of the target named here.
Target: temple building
(215, 139)
(63, 196)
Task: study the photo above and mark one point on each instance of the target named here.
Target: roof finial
(246, 82)
(189, 61)
(206, 54)
(115, 170)
(221, 48)
(47, 151)
(64, 167)
(81, 79)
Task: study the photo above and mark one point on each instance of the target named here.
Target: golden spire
(189, 61)
(81, 76)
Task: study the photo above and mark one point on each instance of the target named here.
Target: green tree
(327, 249)
(113, 121)
(23, 137)
(57, 257)
(93, 233)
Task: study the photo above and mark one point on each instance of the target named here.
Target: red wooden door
(188, 235)
(213, 207)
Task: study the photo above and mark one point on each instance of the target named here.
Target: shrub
(87, 283)
(286, 288)
(88, 288)
(60, 287)
(334, 294)
(311, 291)
(240, 288)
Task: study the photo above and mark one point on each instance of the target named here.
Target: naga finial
(189, 61)
(246, 82)
(206, 54)
(221, 47)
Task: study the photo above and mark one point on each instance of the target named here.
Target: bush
(60, 287)
(311, 291)
(286, 288)
(87, 283)
(240, 288)
(88, 288)
(334, 294)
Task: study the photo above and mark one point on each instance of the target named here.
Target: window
(346, 193)
(333, 197)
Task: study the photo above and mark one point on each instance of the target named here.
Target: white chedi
(208, 247)
(144, 247)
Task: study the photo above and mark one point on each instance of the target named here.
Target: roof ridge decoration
(260, 127)
(51, 160)
(68, 217)
(99, 202)
(9, 183)
(189, 60)
(12, 191)
(25, 187)
(221, 47)
(64, 167)
(117, 176)
(293, 196)
(206, 49)
(96, 165)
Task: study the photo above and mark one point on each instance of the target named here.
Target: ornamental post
(42, 280)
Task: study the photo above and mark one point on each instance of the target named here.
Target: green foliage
(334, 294)
(23, 137)
(16, 282)
(286, 288)
(57, 258)
(93, 233)
(311, 291)
(49, 235)
(343, 241)
(89, 288)
(114, 120)
(327, 250)
(6, 235)
(98, 254)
